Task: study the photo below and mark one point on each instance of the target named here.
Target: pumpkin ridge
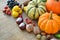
(38, 12)
(48, 28)
(58, 21)
(43, 24)
(55, 26)
(29, 10)
(43, 8)
(34, 13)
(42, 4)
(39, 2)
(40, 20)
(36, 1)
(45, 15)
(33, 2)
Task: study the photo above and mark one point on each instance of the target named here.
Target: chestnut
(19, 20)
(22, 26)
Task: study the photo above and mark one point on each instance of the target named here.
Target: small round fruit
(43, 38)
(15, 14)
(22, 26)
(57, 36)
(19, 20)
(38, 36)
(29, 27)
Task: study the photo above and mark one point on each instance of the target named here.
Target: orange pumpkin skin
(50, 26)
(53, 5)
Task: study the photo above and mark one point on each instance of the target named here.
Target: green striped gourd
(35, 8)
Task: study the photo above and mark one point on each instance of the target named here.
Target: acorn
(22, 26)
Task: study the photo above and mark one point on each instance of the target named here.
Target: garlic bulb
(29, 27)
(36, 30)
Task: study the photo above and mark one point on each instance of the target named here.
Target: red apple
(8, 13)
(22, 26)
(4, 10)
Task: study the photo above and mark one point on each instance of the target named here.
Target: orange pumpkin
(49, 23)
(53, 5)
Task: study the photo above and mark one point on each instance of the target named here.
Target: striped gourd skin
(34, 12)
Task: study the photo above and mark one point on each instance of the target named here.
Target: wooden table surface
(9, 29)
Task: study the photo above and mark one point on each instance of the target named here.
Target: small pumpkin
(53, 5)
(15, 14)
(17, 9)
(35, 8)
(49, 22)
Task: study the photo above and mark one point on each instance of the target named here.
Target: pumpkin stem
(50, 17)
(57, 0)
(36, 6)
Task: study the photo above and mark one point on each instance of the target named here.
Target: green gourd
(57, 36)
